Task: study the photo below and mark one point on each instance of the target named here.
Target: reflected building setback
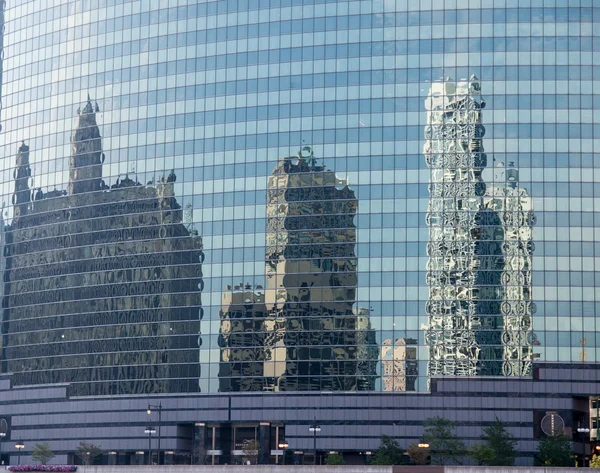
(479, 269)
(312, 337)
(102, 286)
(311, 279)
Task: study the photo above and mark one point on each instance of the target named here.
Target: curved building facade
(230, 209)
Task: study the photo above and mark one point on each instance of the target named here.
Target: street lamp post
(283, 446)
(314, 428)
(2, 435)
(584, 431)
(159, 409)
(150, 430)
(19, 446)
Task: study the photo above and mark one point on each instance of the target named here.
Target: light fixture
(423, 445)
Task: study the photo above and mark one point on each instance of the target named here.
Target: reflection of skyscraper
(241, 339)
(311, 278)
(399, 364)
(85, 163)
(302, 333)
(454, 154)
(22, 175)
(514, 208)
(479, 270)
(102, 289)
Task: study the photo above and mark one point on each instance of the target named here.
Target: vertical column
(199, 446)
(264, 440)
(112, 458)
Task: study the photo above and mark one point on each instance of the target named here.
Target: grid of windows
(220, 91)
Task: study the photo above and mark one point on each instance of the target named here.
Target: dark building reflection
(313, 338)
(102, 286)
(242, 338)
(479, 269)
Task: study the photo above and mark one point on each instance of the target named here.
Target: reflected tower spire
(85, 164)
(22, 195)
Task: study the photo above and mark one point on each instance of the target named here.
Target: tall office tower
(514, 208)
(313, 333)
(102, 289)
(242, 339)
(454, 154)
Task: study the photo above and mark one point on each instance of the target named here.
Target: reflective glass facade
(282, 195)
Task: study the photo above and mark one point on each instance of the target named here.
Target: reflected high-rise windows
(102, 286)
(480, 245)
(440, 249)
(304, 332)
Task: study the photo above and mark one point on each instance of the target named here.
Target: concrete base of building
(210, 428)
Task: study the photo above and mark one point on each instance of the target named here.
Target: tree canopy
(334, 459)
(444, 444)
(498, 448)
(389, 453)
(418, 455)
(555, 450)
(88, 452)
(42, 453)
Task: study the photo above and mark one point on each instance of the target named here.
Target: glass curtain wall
(280, 195)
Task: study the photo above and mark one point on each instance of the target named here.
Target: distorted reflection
(479, 269)
(102, 285)
(313, 337)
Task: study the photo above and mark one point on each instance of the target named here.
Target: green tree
(500, 445)
(42, 453)
(334, 459)
(595, 461)
(555, 450)
(88, 452)
(482, 453)
(389, 453)
(444, 445)
(418, 455)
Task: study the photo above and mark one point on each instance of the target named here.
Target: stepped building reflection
(313, 337)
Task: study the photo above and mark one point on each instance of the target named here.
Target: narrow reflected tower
(454, 154)
(85, 163)
(22, 175)
(480, 246)
(514, 208)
